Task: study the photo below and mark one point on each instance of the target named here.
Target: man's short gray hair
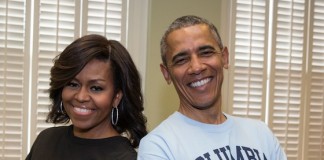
(186, 21)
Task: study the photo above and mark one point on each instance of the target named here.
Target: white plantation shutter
(287, 79)
(59, 23)
(249, 74)
(279, 78)
(12, 78)
(106, 18)
(26, 57)
(314, 145)
(54, 29)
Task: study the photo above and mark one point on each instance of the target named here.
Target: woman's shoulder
(54, 131)
(49, 135)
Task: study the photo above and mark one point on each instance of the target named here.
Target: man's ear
(165, 73)
(225, 57)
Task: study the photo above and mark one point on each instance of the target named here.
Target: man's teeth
(200, 83)
(83, 110)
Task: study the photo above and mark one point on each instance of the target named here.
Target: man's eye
(96, 88)
(180, 61)
(207, 53)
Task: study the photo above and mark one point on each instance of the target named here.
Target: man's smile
(200, 82)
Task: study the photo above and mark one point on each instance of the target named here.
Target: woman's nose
(82, 95)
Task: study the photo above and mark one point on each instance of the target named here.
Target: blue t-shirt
(179, 137)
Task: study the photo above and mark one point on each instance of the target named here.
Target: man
(193, 60)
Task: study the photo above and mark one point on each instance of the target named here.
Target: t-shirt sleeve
(152, 147)
(277, 152)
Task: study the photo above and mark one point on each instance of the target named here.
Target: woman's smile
(83, 111)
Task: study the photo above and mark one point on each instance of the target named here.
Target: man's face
(195, 66)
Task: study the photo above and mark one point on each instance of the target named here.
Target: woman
(95, 84)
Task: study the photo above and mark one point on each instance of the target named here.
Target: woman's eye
(96, 88)
(72, 84)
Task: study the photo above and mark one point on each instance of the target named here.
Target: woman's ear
(165, 73)
(117, 98)
(225, 56)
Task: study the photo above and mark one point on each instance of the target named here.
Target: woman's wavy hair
(126, 78)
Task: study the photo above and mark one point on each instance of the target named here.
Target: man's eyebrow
(206, 47)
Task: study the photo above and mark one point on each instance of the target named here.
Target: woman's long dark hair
(126, 78)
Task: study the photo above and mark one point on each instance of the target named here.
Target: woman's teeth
(82, 110)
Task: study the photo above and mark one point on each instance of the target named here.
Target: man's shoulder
(162, 130)
(162, 126)
(246, 120)
(159, 140)
(255, 126)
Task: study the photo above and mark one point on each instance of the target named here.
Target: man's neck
(212, 115)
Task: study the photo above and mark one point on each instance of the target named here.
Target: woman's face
(88, 100)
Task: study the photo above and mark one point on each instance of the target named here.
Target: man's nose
(196, 65)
